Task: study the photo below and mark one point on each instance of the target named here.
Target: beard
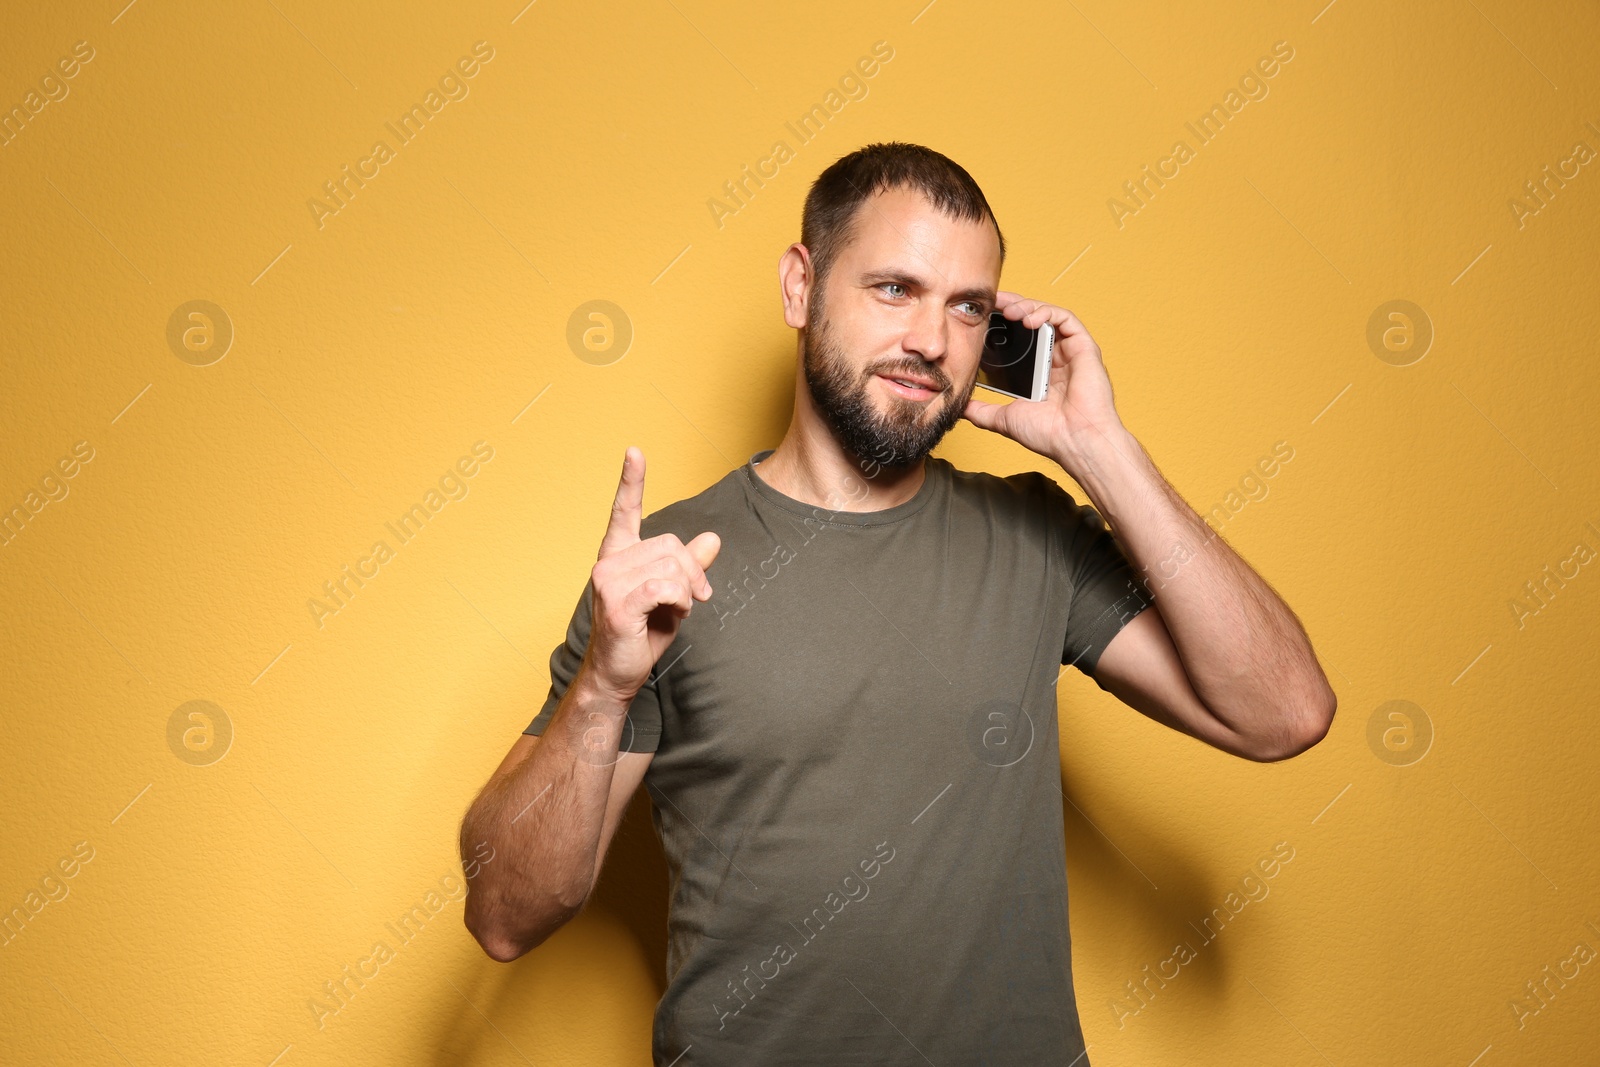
(898, 438)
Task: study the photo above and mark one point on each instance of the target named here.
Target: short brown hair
(831, 205)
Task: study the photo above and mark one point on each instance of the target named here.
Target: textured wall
(252, 318)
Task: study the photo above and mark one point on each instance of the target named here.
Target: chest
(829, 646)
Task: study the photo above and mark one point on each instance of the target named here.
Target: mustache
(915, 370)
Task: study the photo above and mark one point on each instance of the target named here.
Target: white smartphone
(1016, 360)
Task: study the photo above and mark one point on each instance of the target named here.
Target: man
(852, 748)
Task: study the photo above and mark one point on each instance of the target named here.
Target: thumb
(704, 548)
(987, 416)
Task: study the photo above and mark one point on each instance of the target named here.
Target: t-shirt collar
(933, 480)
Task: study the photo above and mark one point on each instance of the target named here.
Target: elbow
(495, 940)
(501, 950)
(504, 951)
(1299, 732)
(505, 944)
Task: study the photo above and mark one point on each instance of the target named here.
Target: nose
(928, 332)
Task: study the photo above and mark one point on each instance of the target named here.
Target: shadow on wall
(633, 891)
(1150, 921)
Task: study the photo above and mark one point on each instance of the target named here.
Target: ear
(794, 283)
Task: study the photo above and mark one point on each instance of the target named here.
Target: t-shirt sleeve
(1103, 585)
(642, 731)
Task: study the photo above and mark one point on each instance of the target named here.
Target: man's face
(909, 298)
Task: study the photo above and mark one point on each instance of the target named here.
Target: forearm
(1245, 653)
(544, 823)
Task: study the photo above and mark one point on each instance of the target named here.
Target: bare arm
(1220, 656)
(549, 811)
(1224, 658)
(548, 815)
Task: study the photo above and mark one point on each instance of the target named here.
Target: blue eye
(887, 285)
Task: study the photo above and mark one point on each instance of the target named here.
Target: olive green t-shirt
(856, 778)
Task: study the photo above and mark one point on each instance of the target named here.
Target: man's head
(894, 276)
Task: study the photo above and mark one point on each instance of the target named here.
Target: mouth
(910, 387)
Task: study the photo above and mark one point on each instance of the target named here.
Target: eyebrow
(979, 293)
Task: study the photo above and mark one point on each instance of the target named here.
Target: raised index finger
(623, 529)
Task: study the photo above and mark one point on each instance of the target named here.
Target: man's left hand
(1077, 406)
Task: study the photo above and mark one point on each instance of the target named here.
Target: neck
(809, 465)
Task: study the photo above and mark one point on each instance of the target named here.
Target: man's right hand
(643, 590)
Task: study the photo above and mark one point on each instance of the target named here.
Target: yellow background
(371, 352)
